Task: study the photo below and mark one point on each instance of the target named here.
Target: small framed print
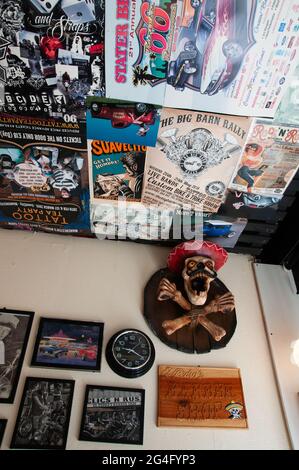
(44, 414)
(113, 414)
(2, 429)
(68, 344)
(15, 326)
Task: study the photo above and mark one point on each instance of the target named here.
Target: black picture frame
(47, 428)
(121, 423)
(3, 423)
(63, 352)
(15, 344)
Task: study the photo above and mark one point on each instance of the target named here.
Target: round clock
(130, 353)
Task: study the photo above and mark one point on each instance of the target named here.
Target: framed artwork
(2, 429)
(44, 414)
(112, 414)
(15, 326)
(68, 344)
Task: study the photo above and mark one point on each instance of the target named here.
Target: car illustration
(213, 47)
(89, 354)
(183, 67)
(217, 228)
(122, 116)
(51, 351)
(229, 25)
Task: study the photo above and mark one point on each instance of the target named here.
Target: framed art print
(15, 326)
(2, 429)
(113, 414)
(44, 414)
(68, 344)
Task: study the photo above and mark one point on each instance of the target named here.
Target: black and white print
(44, 413)
(14, 332)
(113, 414)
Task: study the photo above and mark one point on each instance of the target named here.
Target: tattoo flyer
(269, 161)
(194, 159)
(52, 56)
(43, 175)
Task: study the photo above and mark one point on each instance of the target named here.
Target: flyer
(122, 121)
(43, 175)
(52, 56)
(194, 159)
(116, 170)
(226, 56)
(139, 36)
(269, 161)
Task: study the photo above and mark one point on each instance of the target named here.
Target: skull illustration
(198, 273)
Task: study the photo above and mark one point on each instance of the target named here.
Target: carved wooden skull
(198, 273)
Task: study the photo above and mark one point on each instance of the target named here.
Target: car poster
(194, 159)
(122, 121)
(43, 175)
(225, 56)
(139, 36)
(52, 56)
(269, 161)
(116, 170)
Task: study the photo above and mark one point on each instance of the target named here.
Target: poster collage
(115, 116)
(160, 104)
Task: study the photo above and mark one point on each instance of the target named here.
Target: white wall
(281, 311)
(73, 278)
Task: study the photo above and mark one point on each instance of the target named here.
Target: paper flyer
(269, 161)
(225, 56)
(43, 176)
(116, 170)
(139, 36)
(194, 159)
(52, 56)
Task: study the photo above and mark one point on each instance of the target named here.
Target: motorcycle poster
(225, 56)
(194, 159)
(269, 161)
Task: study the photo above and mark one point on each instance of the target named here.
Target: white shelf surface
(280, 307)
(86, 279)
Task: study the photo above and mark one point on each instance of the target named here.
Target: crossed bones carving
(196, 315)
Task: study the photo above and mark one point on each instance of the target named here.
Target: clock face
(131, 349)
(130, 353)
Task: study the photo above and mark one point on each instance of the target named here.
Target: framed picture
(15, 327)
(2, 429)
(44, 414)
(113, 414)
(68, 344)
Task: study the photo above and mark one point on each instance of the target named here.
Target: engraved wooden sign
(197, 396)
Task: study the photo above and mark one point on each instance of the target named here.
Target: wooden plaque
(198, 396)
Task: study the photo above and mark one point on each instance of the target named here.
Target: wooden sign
(197, 396)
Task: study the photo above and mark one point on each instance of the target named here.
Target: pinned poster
(194, 159)
(269, 161)
(232, 57)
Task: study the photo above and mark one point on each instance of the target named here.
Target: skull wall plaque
(186, 305)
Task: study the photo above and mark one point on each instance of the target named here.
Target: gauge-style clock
(130, 353)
